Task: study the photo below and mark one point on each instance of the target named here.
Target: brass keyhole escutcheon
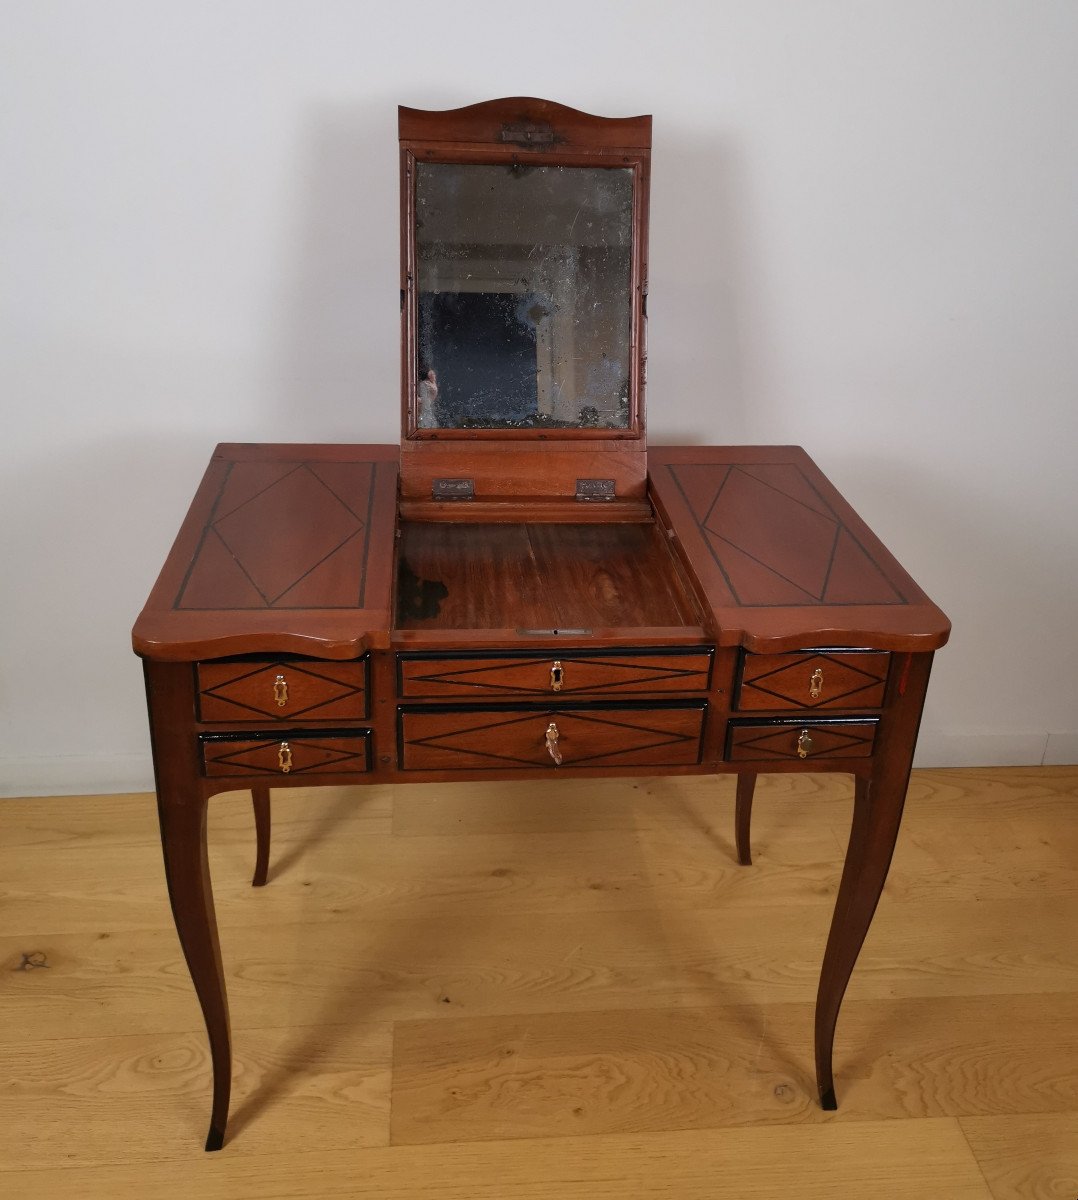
(552, 743)
(804, 744)
(284, 757)
(816, 684)
(557, 674)
(280, 691)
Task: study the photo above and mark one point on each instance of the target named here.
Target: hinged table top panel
(286, 548)
(781, 558)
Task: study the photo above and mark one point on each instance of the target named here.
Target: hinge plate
(595, 489)
(453, 489)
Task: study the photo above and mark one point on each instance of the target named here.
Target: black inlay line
(232, 554)
(311, 673)
(311, 468)
(322, 484)
(711, 506)
(261, 712)
(367, 539)
(256, 669)
(524, 762)
(831, 561)
(489, 725)
(201, 540)
(860, 670)
(810, 703)
(805, 662)
(901, 599)
(830, 515)
(590, 758)
(767, 567)
(214, 518)
(700, 528)
(314, 567)
(624, 724)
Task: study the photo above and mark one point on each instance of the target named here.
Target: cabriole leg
(746, 785)
(260, 798)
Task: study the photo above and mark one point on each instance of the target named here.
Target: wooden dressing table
(520, 590)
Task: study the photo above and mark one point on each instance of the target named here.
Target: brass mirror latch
(557, 673)
(816, 684)
(284, 757)
(552, 743)
(280, 691)
(804, 744)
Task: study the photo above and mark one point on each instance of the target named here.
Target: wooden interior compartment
(533, 580)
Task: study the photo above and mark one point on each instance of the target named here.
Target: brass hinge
(453, 489)
(595, 489)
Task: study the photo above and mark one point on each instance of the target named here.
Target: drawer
(811, 680)
(284, 752)
(562, 672)
(282, 690)
(762, 741)
(532, 735)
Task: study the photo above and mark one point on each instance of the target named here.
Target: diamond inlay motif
(776, 540)
(281, 535)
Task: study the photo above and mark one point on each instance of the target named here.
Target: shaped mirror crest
(524, 296)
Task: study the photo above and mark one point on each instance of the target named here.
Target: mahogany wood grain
(746, 786)
(811, 681)
(544, 577)
(281, 690)
(477, 676)
(181, 806)
(780, 558)
(260, 800)
(285, 549)
(530, 735)
(877, 814)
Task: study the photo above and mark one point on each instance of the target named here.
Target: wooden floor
(494, 991)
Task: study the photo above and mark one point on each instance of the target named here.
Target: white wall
(864, 240)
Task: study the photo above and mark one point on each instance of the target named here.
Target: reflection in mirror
(524, 298)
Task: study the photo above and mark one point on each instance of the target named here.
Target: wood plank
(901, 1160)
(557, 1074)
(1026, 1157)
(140, 1097)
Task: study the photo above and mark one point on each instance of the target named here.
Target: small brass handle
(284, 757)
(557, 674)
(804, 744)
(552, 743)
(280, 691)
(816, 684)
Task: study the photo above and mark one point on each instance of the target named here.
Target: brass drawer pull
(280, 691)
(804, 744)
(557, 674)
(816, 684)
(552, 743)
(284, 757)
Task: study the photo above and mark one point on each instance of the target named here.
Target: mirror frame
(533, 132)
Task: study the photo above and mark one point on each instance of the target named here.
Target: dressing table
(521, 589)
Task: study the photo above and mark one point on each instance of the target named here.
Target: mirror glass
(524, 296)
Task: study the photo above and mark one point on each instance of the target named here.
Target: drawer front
(765, 741)
(282, 691)
(529, 736)
(285, 754)
(563, 672)
(813, 680)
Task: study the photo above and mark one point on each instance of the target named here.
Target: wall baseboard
(80, 775)
(76, 775)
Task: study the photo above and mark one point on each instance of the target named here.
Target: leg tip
(827, 1100)
(216, 1138)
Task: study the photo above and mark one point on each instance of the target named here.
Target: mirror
(524, 296)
